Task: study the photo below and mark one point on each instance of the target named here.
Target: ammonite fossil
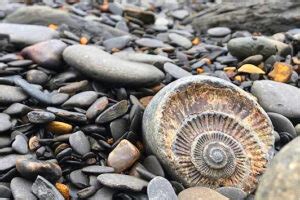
(209, 132)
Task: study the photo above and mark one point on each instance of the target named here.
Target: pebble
(281, 72)
(58, 127)
(282, 176)
(282, 124)
(117, 42)
(9, 161)
(103, 193)
(248, 46)
(44, 190)
(20, 144)
(200, 193)
(31, 168)
(123, 156)
(146, 17)
(10, 94)
(180, 14)
(122, 182)
(110, 68)
(142, 57)
(80, 143)
(118, 128)
(47, 54)
(250, 69)
(113, 112)
(68, 115)
(232, 193)
(148, 42)
(180, 40)
(5, 192)
(82, 99)
(21, 189)
(97, 107)
(36, 77)
(218, 31)
(277, 97)
(74, 87)
(40, 117)
(152, 164)
(254, 60)
(79, 179)
(160, 188)
(96, 169)
(25, 35)
(175, 71)
(17, 109)
(5, 124)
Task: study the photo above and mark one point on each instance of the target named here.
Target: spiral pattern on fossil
(209, 132)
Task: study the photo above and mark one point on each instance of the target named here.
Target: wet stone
(104, 193)
(31, 168)
(122, 182)
(113, 112)
(97, 107)
(21, 189)
(36, 77)
(96, 169)
(218, 31)
(40, 117)
(160, 188)
(118, 128)
(5, 124)
(82, 99)
(80, 143)
(11, 94)
(20, 144)
(79, 179)
(44, 190)
(68, 115)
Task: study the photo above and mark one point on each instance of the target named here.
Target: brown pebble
(33, 143)
(200, 193)
(145, 100)
(57, 127)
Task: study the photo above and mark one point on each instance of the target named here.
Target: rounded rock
(200, 193)
(218, 31)
(40, 117)
(160, 188)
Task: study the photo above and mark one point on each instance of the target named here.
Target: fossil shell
(209, 132)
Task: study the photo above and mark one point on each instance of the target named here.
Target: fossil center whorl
(209, 132)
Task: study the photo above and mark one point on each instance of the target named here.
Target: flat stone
(232, 193)
(20, 63)
(40, 117)
(218, 31)
(68, 115)
(10, 94)
(4, 141)
(146, 17)
(97, 169)
(117, 42)
(122, 182)
(180, 40)
(282, 124)
(103, 193)
(74, 87)
(175, 71)
(254, 60)
(79, 143)
(24, 35)
(9, 161)
(5, 124)
(277, 97)
(5, 192)
(102, 66)
(160, 188)
(180, 14)
(82, 99)
(248, 46)
(44, 190)
(142, 57)
(118, 128)
(79, 179)
(282, 176)
(113, 112)
(149, 42)
(47, 54)
(200, 193)
(31, 168)
(21, 189)
(20, 144)
(97, 107)
(36, 77)
(123, 156)
(17, 109)
(152, 164)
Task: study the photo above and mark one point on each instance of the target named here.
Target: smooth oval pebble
(118, 127)
(152, 164)
(31, 168)
(180, 40)
(232, 193)
(11, 94)
(160, 188)
(40, 117)
(21, 189)
(148, 42)
(104, 193)
(20, 144)
(68, 115)
(282, 124)
(97, 107)
(122, 182)
(17, 109)
(96, 169)
(79, 143)
(36, 77)
(218, 31)
(200, 193)
(142, 57)
(102, 66)
(82, 99)
(5, 124)
(44, 190)
(175, 71)
(79, 179)
(9, 161)
(113, 112)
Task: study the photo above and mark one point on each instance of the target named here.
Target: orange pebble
(64, 190)
(208, 61)
(200, 70)
(83, 40)
(196, 41)
(53, 26)
(110, 141)
(282, 72)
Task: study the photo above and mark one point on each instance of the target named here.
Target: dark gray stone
(10, 94)
(117, 42)
(113, 112)
(282, 124)
(103, 193)
(68, 115)
(160, 188)
(79, 179)
(97, 169)
(180, 40)
(118, 128)
(232, 193)
(21, 189)
(175, 71)
(5, 124)
(152, 164)
(40, 117)
(102, 66)
(97, 107)
(79, 143)
(44, 190)
(5, 192)
(20, 144)
(218, 31)
(277, 97)
(82, 99)
(36, 77)
(149, 42)
(122, 182)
